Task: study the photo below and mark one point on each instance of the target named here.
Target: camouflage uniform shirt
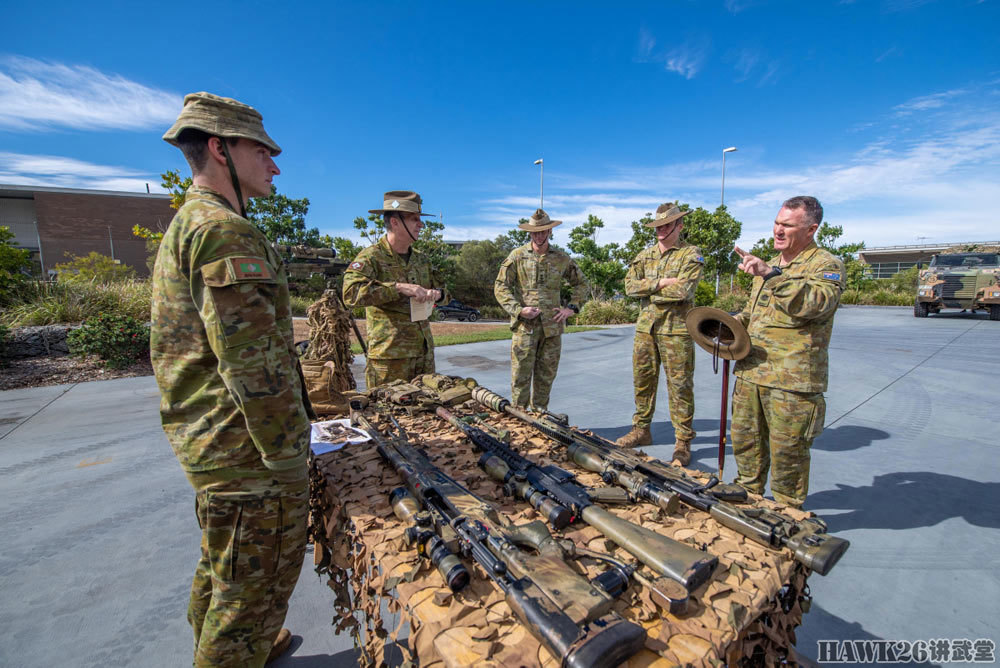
(664, 310)
(370, 282)
(222, 347)
(527, 278)
(790, 319)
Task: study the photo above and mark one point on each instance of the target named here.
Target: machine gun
(569, 615)
(302, 263)
(652, 480)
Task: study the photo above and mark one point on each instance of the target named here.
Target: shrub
(41, 303)
(119, 340)
(491, 312)
(904, 281)
(704, 294)
(880, 297)
(4, 337)
(14, 262)
(597, 312)
(731, 301)
(93, 268)
(300, 304)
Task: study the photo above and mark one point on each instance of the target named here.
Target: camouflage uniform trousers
(676, 353)
(251, 554)
(534, 360)
(380, 372)
(774, 429)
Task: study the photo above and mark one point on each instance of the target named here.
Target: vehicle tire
(994, 311)
(920, 309)
(473, 317)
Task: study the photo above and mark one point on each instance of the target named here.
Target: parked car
(458, 310)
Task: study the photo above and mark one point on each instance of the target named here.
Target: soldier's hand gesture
(751, 264)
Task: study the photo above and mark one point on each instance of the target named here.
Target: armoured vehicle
(960, 280)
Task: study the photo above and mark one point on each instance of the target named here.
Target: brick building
(51, 222)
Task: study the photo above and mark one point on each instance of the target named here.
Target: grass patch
(498, 333)
(40, 303)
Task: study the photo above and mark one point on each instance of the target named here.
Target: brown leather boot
(682, 453)
(280, 645)
(638, 436)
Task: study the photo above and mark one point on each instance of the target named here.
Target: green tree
(476, 267)
(346, 249)
(93, 268)
(283, 219)
(715, 234)
(173, 183)
(517, 237)
(642, 237)
(14, 264)
(599, 262)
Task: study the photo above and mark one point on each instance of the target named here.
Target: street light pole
(722, 202)
(722, 198)
(541, 184)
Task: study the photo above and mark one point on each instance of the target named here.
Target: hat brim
(718, 332)
(659, 222)
(382, 211)
(539, 228)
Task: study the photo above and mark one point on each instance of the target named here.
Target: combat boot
(638, 436)
(682, 453)
(280, 645)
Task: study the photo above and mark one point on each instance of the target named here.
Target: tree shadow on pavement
(848, 437)
(909, 500)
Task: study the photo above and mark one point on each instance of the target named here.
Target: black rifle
(570, 616)
(558, 497)
(652, 480)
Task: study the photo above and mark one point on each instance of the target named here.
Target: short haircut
(814, 210)
(194, 144)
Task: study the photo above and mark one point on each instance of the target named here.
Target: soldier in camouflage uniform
(664, 278)
(528, 287)
(384, 278)
(231, 399)
(778, 404)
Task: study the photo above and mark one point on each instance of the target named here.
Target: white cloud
(61, 172)
(36, 95)
(686, 60)
(939, 177)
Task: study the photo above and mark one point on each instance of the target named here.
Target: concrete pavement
(100, 537)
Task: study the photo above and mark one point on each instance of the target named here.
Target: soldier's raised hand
(751, 264)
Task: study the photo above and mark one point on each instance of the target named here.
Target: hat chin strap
(232, 175)
(406, 227)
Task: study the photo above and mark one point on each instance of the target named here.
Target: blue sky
(887, 110)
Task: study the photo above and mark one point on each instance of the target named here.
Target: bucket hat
(220, 117)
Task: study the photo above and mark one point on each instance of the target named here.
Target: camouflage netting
(326, 364)
(745, 615)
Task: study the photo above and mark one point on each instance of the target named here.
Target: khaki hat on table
(539, 222)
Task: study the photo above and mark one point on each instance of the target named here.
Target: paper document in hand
(420, 310)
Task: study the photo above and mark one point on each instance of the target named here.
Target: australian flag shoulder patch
(831, 275)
